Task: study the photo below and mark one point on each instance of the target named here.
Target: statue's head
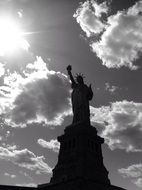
(79, 78)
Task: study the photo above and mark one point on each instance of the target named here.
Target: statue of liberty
(81, 95)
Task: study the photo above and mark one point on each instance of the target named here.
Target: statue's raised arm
(81, 95)
(69, 68)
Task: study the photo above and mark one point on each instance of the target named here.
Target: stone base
(78, 184)
(80, 162)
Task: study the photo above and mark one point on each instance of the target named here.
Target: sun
(11, 37)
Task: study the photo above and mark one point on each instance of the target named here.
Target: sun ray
(11, 37)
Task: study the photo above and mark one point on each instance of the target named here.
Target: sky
(38, 40)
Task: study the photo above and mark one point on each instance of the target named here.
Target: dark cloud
(40, 96)
(122, 126)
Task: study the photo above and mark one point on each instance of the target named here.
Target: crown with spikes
(79, 75)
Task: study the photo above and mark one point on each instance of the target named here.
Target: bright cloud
(2, 70)
(20, 13)
(52, 144)
(133, 172)
(26, 159)
(122, 125)
(9, 147)
(110, 88)
(138, 182)
(26, 184)
(38, 96)
(88, 15)
(10, 175)
(120, 43)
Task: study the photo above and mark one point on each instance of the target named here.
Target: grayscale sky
(38, 39)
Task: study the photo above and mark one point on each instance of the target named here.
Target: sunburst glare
(11, 37)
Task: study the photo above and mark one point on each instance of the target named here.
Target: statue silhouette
(81, 95)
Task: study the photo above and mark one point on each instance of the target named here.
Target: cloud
(120, 43)
(52, 144)
(88, 15)
(20, 13)
(26, 159)
(2, 70)
(5, 134)
(10, 175)
(38, 96)
(17, 62)
(9, 146)
(26, 175)
(121, 125)
(29, 91)
(133, 172)
(138, 182)
(26, 184)
(110, 88)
